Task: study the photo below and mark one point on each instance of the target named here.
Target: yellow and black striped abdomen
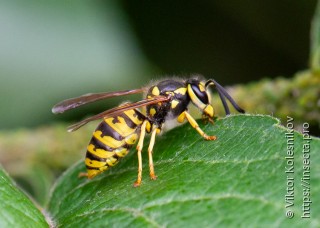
(112, 140)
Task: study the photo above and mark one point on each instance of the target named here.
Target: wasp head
(200, 96)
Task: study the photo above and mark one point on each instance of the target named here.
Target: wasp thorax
(177, 103)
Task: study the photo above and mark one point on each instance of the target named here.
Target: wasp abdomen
(112, 140)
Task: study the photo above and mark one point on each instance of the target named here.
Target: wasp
(128, 123)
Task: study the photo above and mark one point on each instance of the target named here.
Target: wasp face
(200, 96)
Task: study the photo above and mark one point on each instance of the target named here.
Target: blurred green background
(53, 50)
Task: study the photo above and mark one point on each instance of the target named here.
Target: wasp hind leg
(139, 149)
(194, 124)
(150, 149)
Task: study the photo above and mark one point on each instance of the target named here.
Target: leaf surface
(16, 209)
(238, 179)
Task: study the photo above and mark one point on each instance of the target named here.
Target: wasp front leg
(185, 115)
(207, 119)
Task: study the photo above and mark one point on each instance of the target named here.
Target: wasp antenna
(224, 102)
(210, 82)
(224, 94)
(221, 95)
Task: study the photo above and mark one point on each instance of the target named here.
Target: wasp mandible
(124, 125)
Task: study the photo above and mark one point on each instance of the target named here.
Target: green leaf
(238, 179)
(16, 209)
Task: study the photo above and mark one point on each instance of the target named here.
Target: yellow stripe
(174, 103)
(152, 111)
(181, 117)
(132, 139)
(131, 114)
(92, 173)
(107, 140)
(202, 87)
(195, 99)
(181, 90)
(93, 163)
(120, 126)
(155, 91)
(99, 152)
(121, 152)
(112, 161)
(148, 127)
(209, 110)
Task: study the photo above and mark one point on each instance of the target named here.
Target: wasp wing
(88, 98)
(118, 110)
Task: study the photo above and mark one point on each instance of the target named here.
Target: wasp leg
(150, 148)
(207, 119)
(194, 124)
(82, 174)
(211, 120)
(139, 149)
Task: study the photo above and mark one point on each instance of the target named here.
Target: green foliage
(237, 179)
(16, 209)
(297, 97)
(24, 154)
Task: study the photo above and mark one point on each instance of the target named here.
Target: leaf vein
(134, 212)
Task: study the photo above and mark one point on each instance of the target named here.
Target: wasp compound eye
(200, 91)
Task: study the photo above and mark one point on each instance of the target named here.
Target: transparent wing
(90, 97)
(118, 110)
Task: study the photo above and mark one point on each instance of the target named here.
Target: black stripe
(94, 168)
(128, 121)
(99, 145)
(116, 156)
(139, 115)
(127, 146)
(95, 157)
(108, 131)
